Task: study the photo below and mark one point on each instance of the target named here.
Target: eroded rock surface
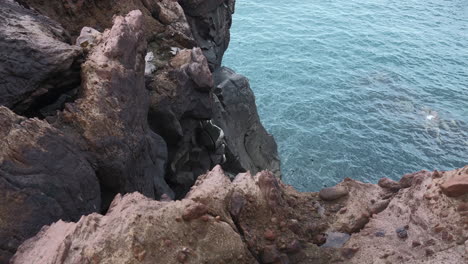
(258, 219)
(44, 177)
(111, 114)
(420, 225)
(249, 146)
(107, 118)
(456, 184)
(245, 221)
(37, 63)
(210, 22)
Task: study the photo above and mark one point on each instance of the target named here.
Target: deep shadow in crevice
(60, 88)
(107, 196)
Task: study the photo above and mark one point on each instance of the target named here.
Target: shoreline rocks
(261, 220)
(100, 138)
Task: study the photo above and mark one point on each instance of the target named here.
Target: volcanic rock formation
(108, 106)
(130, 107)
(258, 219)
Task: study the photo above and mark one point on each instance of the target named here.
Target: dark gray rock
(402, 233)
(180, 111)
(210, 22)
(44, 177)
(336, 240)
(37, 65)
(248, 144)
(380, 234)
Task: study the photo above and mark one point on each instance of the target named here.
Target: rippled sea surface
(357, 88)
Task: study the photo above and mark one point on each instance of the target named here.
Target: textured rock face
(43, 177)
(181, 107)
(36, 62)
(210, 21)
(150, 232)
(163, 18)
(105, 117)
(112, 113)
(332, 193)
(246, 221)
(419, 225)
(249, 146)
(457, 184)
(258, 219)
(50, 170)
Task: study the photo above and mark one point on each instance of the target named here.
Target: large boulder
(44, 177)
(37, 63)
(456, 184)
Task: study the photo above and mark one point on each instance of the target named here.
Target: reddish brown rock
(269, 235)
(194, 211)
(389, 184)
(270, 254)
(456, 184)
(333, 193)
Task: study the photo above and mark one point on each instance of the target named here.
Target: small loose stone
(269, 234)
(380, 234)
(402, 233)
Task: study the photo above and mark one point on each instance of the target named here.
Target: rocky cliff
(99, 98)
(423, 218)
(110, 111)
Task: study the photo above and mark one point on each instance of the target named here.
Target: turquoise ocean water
(357, 88)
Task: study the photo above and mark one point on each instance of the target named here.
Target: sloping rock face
(37, 63)
(420, 224)
(217, 222)
(43, 177)
(182, 108)
(258, 219)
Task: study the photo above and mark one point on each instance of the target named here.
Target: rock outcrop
(258, 219)
(111, 113)
(37, 64)
(131, 97)
(44, 177)
(97, 132)
(420, 225)
(219, 221)
(248, 145)
(210, 21)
